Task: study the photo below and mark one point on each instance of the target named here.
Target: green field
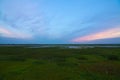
(20, 63)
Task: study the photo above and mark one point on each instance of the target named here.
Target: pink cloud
(110, 33)
(4, 32)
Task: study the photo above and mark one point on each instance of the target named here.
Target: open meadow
(54, 63)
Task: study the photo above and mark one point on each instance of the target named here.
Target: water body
(73, 46)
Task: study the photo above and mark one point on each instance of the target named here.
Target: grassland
(19, 63)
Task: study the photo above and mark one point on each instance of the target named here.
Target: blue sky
(59, 21)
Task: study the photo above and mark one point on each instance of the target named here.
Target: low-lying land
(20, 63)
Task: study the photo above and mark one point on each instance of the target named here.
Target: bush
(113, 57)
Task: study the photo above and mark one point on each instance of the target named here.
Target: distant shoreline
(73, 46)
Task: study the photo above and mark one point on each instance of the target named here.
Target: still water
(73, 46)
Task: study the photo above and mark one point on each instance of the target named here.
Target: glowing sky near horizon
(59, 21)
(111, 33)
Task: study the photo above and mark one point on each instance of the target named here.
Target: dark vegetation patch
(12, 58)
(38, 62)
(112, 57)
(65, 64)
(82, 58)
(1, 77)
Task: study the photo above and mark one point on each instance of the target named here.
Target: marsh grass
(19, 63)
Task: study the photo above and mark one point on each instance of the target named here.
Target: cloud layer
(110, 33)
(4, 32)
(59, 21)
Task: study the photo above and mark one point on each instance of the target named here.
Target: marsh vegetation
(21, 63)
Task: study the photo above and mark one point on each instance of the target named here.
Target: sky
(59, 21)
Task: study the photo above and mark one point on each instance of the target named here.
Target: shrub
(113, 57)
